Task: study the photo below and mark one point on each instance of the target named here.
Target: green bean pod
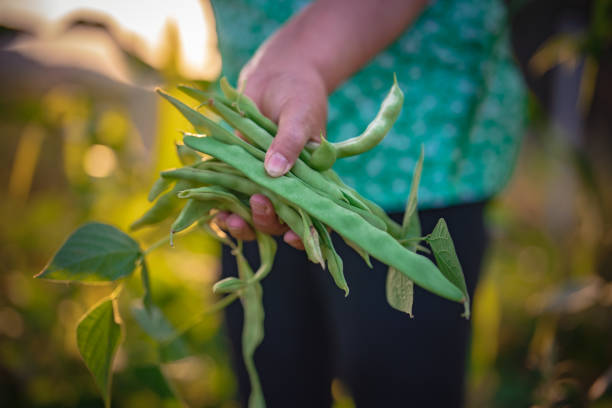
(392, 227)
(190, 214)
(252, 329)
(378, 128)
(324, 156)
(162, 208)
(201, 123)
(186, 155)
(348, 224)
(160, 185)
(225, 200)
(259, 119)
(244, 186)
(229, 181)
(244, 104)
(334, 262)
(217, 166)
(228, 285)
(300, 169)
(310, 239)
(245, 126)
(204, 125)
(363, 254)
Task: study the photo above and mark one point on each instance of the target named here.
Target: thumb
(299, 122)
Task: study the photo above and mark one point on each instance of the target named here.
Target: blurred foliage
(543, 312)
(588, 46)
(69, 160)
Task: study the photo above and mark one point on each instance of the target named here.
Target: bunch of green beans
(221, 171)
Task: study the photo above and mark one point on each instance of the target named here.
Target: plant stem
(221, 304)
(156, 245)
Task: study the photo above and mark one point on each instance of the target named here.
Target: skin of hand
(293, 72)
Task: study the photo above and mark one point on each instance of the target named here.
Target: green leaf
(98, 336)
(152, 378)
(399, 287)
(171, 346)
(443, 248)
(400, 291)
(94, 253)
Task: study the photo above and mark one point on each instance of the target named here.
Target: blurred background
(84, 136)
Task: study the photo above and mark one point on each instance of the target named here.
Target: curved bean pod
(245, 104)
(376, 242)
(378, 128)
(324, 156)
(162, 208)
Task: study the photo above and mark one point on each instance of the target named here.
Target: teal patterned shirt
(464, 99)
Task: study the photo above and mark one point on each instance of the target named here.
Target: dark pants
(314, 334)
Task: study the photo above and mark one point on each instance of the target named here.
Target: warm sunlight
(141, 29)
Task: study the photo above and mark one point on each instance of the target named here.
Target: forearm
(336, 47)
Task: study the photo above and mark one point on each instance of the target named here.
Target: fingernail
(259, 207)
(277, 165)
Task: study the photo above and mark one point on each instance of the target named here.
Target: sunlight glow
(99, 161)
(140, 28)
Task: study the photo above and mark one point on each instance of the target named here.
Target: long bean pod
(376, 242)
(378, 128)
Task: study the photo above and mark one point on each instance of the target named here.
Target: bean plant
(220, 171)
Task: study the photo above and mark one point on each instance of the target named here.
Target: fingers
(294, 240)
(265, 220)
(220, 219)
(264, 217)
(298, 123)
(238, 227)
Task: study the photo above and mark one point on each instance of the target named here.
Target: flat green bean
(300, 169)
(376, 242)
(186, 155)
(244, 104)
(160, 185)
(226, 200)
(392, 227)
(162, 208)
(228, 285)
(252, 329)
(254, 115)
(189, 215)
(324, 156)
(310, 239)
(229, 181)
(334, 262)
(378, 128)
(204, 125)
(245, 126)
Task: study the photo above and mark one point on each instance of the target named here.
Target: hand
(296, 99)
(292, 73)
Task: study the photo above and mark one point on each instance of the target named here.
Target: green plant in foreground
(310, 199)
